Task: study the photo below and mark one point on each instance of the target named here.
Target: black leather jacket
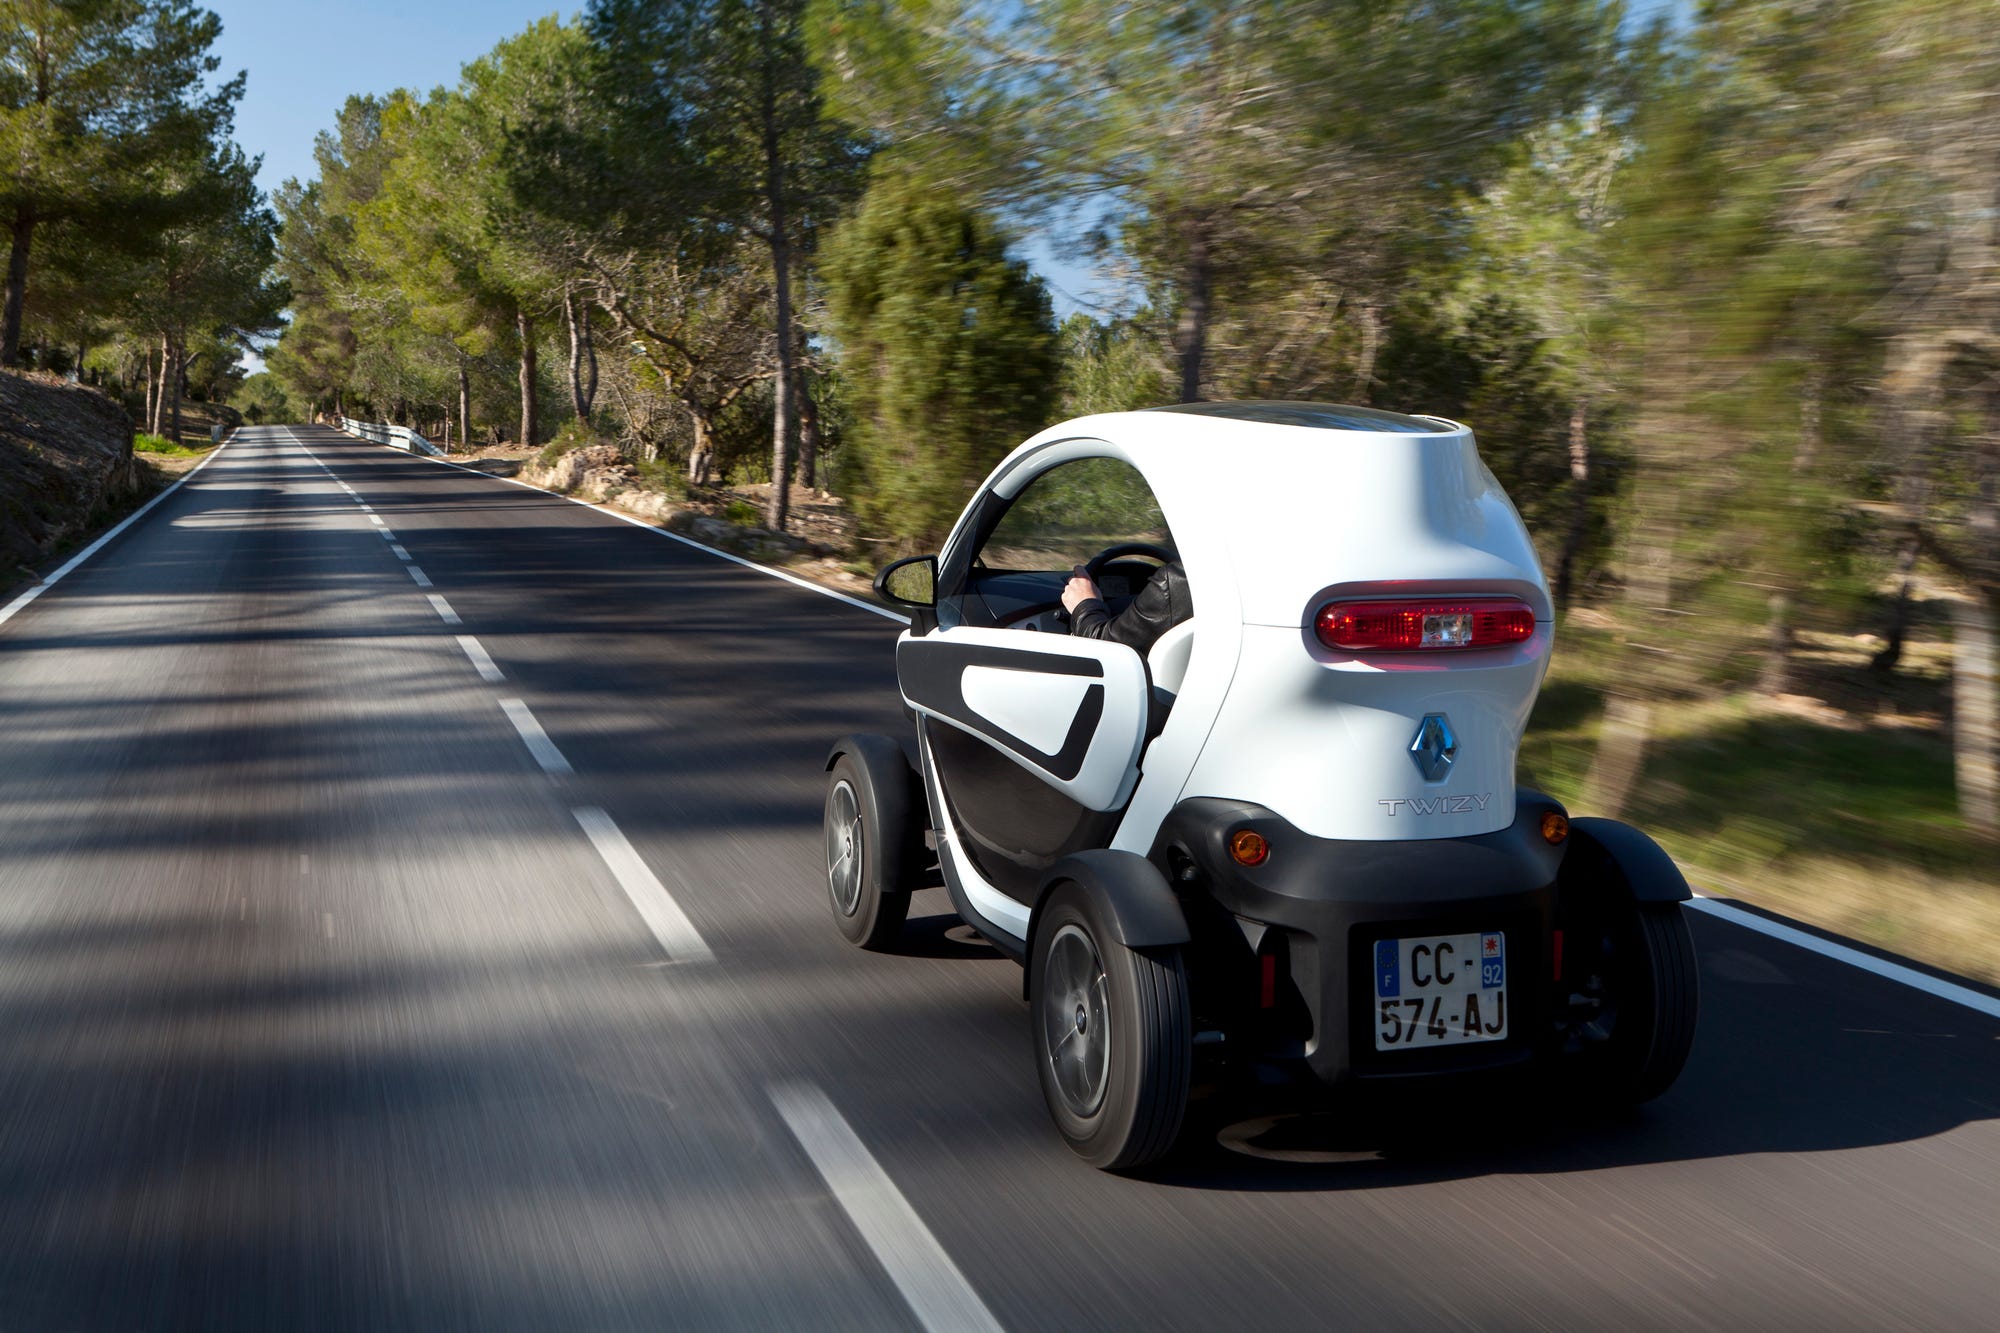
(1162, 604)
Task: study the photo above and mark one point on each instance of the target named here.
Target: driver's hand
(1080, 589)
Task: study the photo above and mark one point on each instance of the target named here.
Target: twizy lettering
(1437, 805)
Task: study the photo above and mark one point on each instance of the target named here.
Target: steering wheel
(1109, 554)
(1096, 564)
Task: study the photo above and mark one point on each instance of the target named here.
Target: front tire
(1112, 1035)
(868, 830)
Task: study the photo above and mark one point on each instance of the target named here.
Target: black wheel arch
(898, 794)
(1138, 901)
(1600, 848)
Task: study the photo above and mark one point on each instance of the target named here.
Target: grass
(1848, 820)
(160, 446)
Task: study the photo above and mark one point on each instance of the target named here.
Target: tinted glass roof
(1325, 416)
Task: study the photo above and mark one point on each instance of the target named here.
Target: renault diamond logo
(1434, 747)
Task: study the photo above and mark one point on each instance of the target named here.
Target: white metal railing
(396, 437)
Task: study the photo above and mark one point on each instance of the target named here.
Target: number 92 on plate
(1440, 990)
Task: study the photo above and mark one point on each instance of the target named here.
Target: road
(327, 1001)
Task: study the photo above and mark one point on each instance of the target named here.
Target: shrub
(145, 443)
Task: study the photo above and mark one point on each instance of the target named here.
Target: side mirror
(911, 582)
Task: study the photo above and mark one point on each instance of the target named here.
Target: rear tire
(1111, 1035)
(868, 830)
(1637, 1045)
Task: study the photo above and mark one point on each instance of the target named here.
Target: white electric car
(1284, 848)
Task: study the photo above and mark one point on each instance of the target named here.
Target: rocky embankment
(65, 462)
(599, 473)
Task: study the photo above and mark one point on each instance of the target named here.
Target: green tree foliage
(97, 99)
(1111, 366)
(949, 349)
(730, 81)
(1265, 165)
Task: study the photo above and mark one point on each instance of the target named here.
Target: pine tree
(949, 348)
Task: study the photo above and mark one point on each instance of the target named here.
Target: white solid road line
(423, 579)
(482, 661)
(657, 908)
(539, 745)
(936, 1290)
(443, 608)
(1841, 953)
(8, 611)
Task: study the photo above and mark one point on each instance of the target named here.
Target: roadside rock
(599, 473)
(65, 453)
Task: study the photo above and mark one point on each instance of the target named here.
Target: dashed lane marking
(539, 745)
(400, 552)
(657, 908)
(936, 1290)
(482, 661)
(423, 579)
(443, 608)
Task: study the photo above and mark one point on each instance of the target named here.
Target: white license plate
(1440, 990)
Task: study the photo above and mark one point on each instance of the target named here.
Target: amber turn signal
(1247, 848)
(1555, 827)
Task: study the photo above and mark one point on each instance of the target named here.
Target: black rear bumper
(1318, 905)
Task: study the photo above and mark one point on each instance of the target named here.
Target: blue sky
(305, 57)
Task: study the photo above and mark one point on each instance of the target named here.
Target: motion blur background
(1715, 286)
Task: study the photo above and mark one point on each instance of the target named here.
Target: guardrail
(396, 437)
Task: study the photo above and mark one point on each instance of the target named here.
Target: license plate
(1440, 990)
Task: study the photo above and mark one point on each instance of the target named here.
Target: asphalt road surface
(354, 976)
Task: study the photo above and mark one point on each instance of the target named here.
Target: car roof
(1318, 416)
(1273, 503)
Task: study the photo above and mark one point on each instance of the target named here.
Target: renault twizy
(1284, 847)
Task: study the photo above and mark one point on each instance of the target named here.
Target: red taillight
(1400, 627)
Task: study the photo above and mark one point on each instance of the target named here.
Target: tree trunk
(1191, 332)
(784, 419)
(1975, 713)
(179, 364)
(1891, 656)
(1371, 347)
(1649, 579)
(1781, 638)
(147, 415)
(17, 289)
(589, 363)
(1579, 510)
(464, 409)
(159, 426)
(526, 328)
(808, 440)
(579, 403)
(701, 458)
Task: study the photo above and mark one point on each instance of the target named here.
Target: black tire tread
(1669, 945)
(1160, 983)
(885, 902)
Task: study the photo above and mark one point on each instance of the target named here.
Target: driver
(1162, 604)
